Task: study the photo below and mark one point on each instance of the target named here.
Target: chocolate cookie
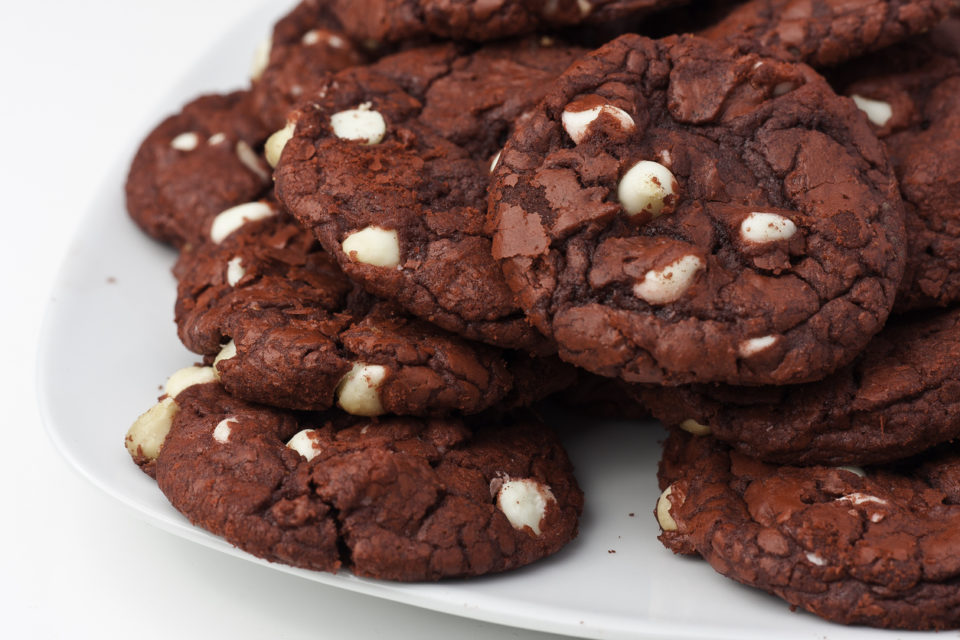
(911, 95)
(875, 547)
(826, 32)
(899, 397)
(676, 212)
(398, 499)
(286, 328)
(394, 20)
(390, 164)
(196, 164)
(305, 46)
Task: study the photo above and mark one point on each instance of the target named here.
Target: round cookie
(305, 46)
(825, 32)
(675, 212)
(194, 165)
(397, 499)
(875, 547)
(389, 165)
(286, 328)
(395, 20)
(911, 96)
(899, 397)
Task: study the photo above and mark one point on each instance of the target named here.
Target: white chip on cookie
(646, 187)
(233, 218)
(228, 351)
(276, 142)
(303, 443)
(217, 138)
(145, 437)
(187, 377)
(358, 392)
(249, 158)
(235, 270)
(373, 245)
(577, 123)
(363, 124)
(496, 159)
(878, 112)
(661, 286)
(524, 502)
(185, 141)
(692, 426)
(761, 227)
(666, 521)
(261, 58)
(221, 433)
(753, 346)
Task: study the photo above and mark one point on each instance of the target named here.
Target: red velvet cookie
(676, 212)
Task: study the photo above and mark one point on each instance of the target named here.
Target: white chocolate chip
(374, 246)
(783, 88)
(276, 142)
(854, 470)
(861, 498)
(185, 141)
(359, 390)
(877, 517)
(577, 123)
(361, 123)
(303, 443)
(235, 271)
(251, 160)
(766, 227)
(667, 523)
(668, 284)
(692, 426)
(216, 139)
(336, 41)
(261, 58)
(311, 37)
(585, 7)
(233, 218)
(816, 558)
(221, 433)
(547, 41)
(145, 437)
(187, 377)
(665, 157)
(878, 112)
(646, 187)
(228, 351)
(493, 163)
(754, 346)
(524, 502)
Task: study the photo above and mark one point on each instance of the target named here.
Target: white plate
(108, 343)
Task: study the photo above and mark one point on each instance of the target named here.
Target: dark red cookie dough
(398, 499)
(395, 20)
(415, 199)
(196, 164)
(901, 396)
(876, 547)
(305, 46)
(911, 94)
(826, 32)
(303, 337)
(765, 242)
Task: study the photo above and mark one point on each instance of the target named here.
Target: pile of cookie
(423, 218)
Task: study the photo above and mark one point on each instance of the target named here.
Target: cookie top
(194, 165)
(397, 499)
(675, 212)
(899, 397)
(911, 95)
(876, 547)
(389, 165)
(395, 20)
(305, 45)
(826, 32)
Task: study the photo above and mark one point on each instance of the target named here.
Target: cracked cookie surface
(875, 547)
(676, 212)
(398, 499)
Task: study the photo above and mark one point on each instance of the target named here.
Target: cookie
(283, 326)
(826, 32)
(194, 165)
(911, 96)
(305, 45)
(898, 398)
(676, 212)
(395, 20)
(389, 165)
(874, 547)
(397, 499)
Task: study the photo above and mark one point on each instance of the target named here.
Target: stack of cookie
(424, 217)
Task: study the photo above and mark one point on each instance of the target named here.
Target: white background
(81, 81)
